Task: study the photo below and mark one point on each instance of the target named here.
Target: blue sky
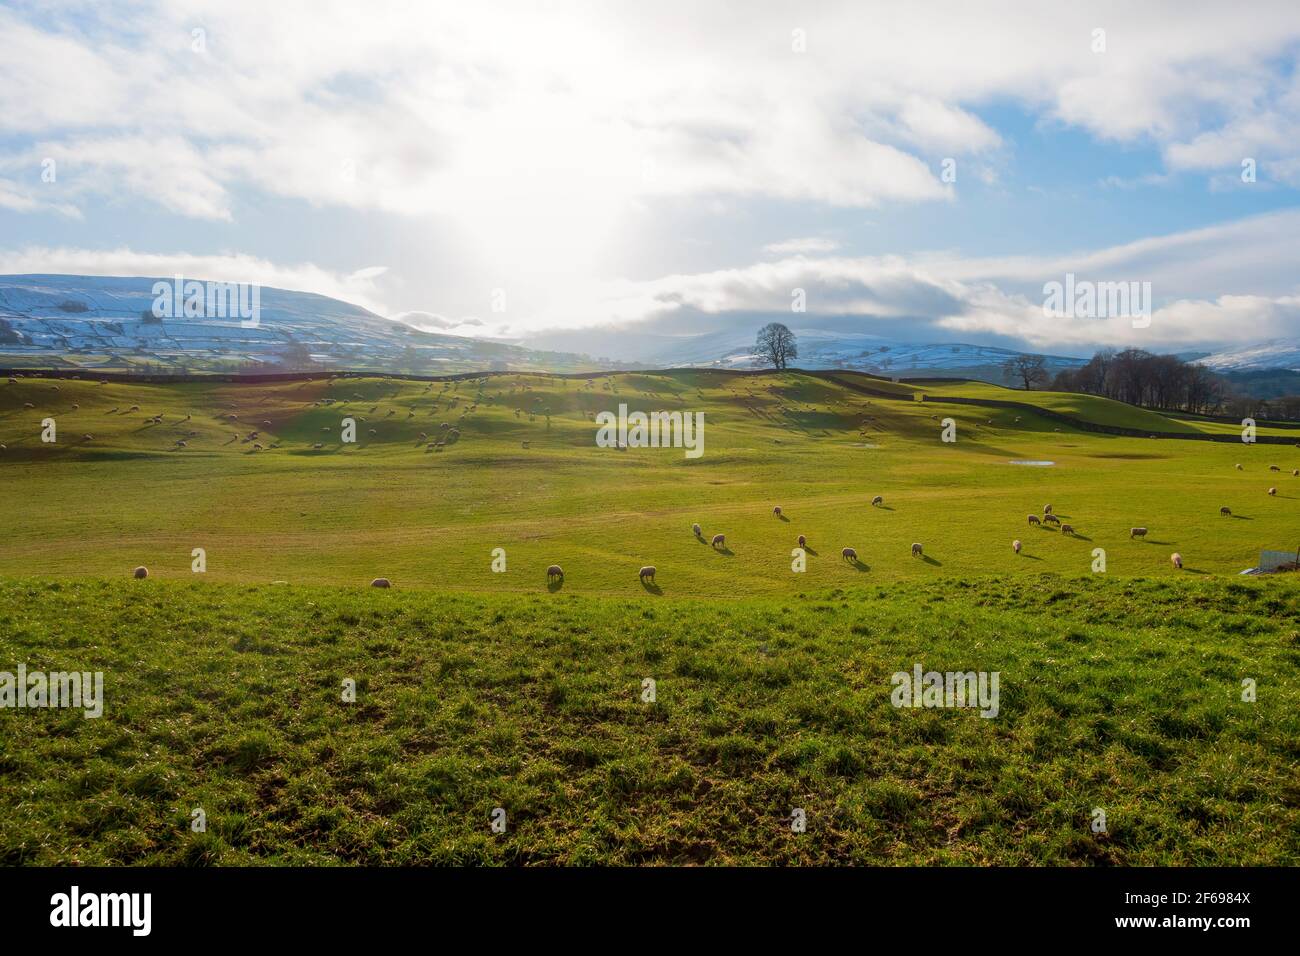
(623, 169)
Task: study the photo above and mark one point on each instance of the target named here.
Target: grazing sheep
(1274, 468)
(1272, 491)
(381, 583)
(916, 549)
(848, 554)
(1015, 546)
(554, 571)
(134, 408)
(1033, 519)
(1067, 529)
(1137, 533)
(75, 406)
(1047, 509)
(777, 511)
(87, 437)
(647, 572)
(1239, 467)
(695, 528)
(719, 540)
(802, 541)
(180, 443)
(28, 405)
(1226, 512)
(1177, 560)
(1051, 519)
(318, 446)
(1295, 472)
(877, 501)
(141, 572)
(257, 447)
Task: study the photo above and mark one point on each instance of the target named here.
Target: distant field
(1116, 695)
(392, 506)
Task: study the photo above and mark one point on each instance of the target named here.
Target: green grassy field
(392, 506)
(1118, 696)
(477, 689)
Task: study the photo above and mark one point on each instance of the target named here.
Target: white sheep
(776, 512)
(1015, 546)
(141, 572)
(719, 540)
(647, 572)
(1239, 467)
(381, 583)
(1137, 533)
(877, 501)
(554, 571)
(1067, 529)
(1272, 491)
(848, 554)
(1047, 509)
(1177, 560)
(916, 549)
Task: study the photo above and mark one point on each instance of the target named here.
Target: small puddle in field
(860, 444)
(1035, 464)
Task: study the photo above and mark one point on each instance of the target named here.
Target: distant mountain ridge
(1273, 354)
(106, 322)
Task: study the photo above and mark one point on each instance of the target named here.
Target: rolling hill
(92, 322)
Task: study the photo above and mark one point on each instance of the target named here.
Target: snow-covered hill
(107, 322)
(1276, 353)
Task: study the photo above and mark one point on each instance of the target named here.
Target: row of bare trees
(1163, 382)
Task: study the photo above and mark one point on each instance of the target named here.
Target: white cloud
(807, 246)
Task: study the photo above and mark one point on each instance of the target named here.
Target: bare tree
(1030, 370)
(777, 344)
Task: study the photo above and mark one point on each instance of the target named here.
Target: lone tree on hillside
(1029, 370)
(776, 343)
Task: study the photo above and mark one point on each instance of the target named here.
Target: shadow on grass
(652, 587)
(1030, 557)
(554, 583)
(782, 517)
(929, 560)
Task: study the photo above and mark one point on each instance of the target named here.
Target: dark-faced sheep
(1274, 468)
(848, 554)
(1047, 509)
(1272, 491)
(1015, 546)
(1067, 529)
(1051, 519)
(719, 540)
(776, 512)
(554, 571)
(647, 572)
(1226, 512)
(1034, 519)
(916, 549)
(1176, 559)
(381, 583)
(1239, 467)
(877, 501)
(141, 572)
(802, 541)
(695, 529)
(1137, 533)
